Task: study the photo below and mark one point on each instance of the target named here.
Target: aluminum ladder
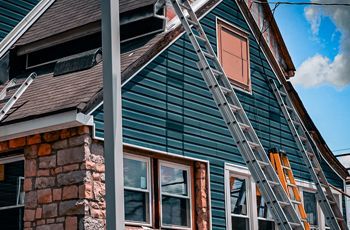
(12, 100)
(237, 121)
(324, 195)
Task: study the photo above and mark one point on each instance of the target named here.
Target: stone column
(64, 181)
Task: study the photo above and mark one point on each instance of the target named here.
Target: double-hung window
(310, 206)
(137, 190)
(153, 186)
(265, 219)
(175, 195)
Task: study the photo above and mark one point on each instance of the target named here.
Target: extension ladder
(10, 100)
(280, 162)
(237, 121)
(324, 195)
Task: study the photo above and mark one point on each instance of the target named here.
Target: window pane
(135, 173)
(175, 211)
(266, 225)
(9, 183)
(174, 181)
(262, 209)
(238, 196)
(239, 223)
(310, 206)
(136, 206)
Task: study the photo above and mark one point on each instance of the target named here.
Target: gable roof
(47, 96)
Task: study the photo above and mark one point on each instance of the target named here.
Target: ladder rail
(8, 105)
(327, 201)
(275, 198)
(3, 91)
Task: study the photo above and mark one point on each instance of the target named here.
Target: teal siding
(12, 12)
(168, 107)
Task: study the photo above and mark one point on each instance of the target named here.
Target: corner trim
(45, 124)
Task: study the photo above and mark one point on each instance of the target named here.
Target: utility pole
(112, 105)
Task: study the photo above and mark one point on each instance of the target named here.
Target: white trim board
(24, 25)
(45, 124)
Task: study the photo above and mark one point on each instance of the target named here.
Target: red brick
(4, 146)
(71, 223)
(57, 194)
(27, 224)
(38, 213)
(65, 133)
(58, 170)
(40, 222)
(70, 192)
(18, 142)
(30, 168)
(43, 172)
(83, 130)
(29, 215)
(27, 184)
(44, 196)
(44, 150)
(34, 139)
(69, 168)
(85, 191)
(51, 136)
(49, 210)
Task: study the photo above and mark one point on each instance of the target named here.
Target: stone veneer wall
(64, 180)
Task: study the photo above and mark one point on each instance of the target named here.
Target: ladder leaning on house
(237, 121)
(324, 195)
(280, 162)
(8, 99)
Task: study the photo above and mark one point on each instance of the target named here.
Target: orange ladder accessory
(284, 171)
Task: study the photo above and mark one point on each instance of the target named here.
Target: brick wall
(64, 180)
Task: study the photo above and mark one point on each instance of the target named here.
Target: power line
(338, 150)
(303, 3)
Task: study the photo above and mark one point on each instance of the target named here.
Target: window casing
(175, 195)
(157, 193)
(233, 54)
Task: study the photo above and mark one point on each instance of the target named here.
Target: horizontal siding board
(168, 107)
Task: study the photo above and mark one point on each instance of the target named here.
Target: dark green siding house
(182, 168)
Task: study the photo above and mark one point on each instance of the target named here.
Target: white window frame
(149, 189)
(242, 173)
(189, 195)
(7, 160)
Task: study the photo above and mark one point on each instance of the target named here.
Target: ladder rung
(208, 55)
(296, 202)
(200, 38)
(317, 169)
(290, 109)
(184, 6)
(286, 168)
(283, 94)
(273, 183)
(253, 145)
(244, 126)
(263, 163)
(225, 90)
(235, 108)
(284, 203)
(294, 224)
(292, 185)
(302, 138)
(192, 22)
(297, 123)
(217, 73)
(310, 154)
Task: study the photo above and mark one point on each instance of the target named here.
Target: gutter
(45, 124)
(23, 25)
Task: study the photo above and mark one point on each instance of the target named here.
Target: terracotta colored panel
(230, 43)
(245, 79)
(232, 66)
(244, 49)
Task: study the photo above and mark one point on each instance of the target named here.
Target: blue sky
(327, 104)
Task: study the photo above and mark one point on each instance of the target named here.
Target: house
(345, 160)
(182, 169)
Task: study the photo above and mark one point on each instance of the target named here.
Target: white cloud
(318, 70)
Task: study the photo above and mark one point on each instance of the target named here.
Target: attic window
(233, 52)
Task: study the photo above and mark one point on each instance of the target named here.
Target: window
(265, 220)
(310, 206)
(233, 52)
(11, 192)
(238, 198)
(175, 195)
(152, 186)
(137, 190)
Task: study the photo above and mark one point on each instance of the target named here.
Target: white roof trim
(23, 25)
(45, 124)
